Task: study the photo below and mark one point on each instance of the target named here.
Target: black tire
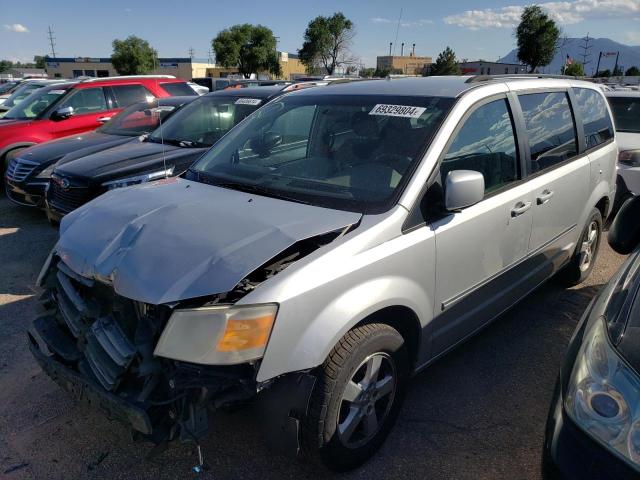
(576, 271)
(322, 438)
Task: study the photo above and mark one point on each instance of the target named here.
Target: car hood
(72, 147)
(176, 239)
(127, 159)
(628, 141)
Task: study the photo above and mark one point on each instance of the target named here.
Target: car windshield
(36, 103)
(343, 152)
(5, 87)
(626, 112)
(204, 121)
(21, 93)
(137, 119)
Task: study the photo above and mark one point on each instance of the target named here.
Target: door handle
(104, 119)
(520, 208)
(545, 196)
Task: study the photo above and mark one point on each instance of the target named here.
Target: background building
(491, 68)
(186, 68)
(408, 64)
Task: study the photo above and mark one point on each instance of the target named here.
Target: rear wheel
(357, 397)
(586, 253)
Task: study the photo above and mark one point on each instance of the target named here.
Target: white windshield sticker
(57, 92)
(248, 101)
(397, 111)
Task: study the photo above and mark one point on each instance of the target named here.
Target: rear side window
(595, 116)
(129, 94)
(550, 127)
(626, 111)
(486, 143)
(86, 100)
(178, 89)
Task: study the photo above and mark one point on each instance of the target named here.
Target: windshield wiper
(258, 190)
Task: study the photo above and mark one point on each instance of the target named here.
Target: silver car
(333, 244)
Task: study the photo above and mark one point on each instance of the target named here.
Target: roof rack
(487, 78)
(124, 77)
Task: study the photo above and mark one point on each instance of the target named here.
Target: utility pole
(52, 42)
(390, 47)
(210, 56)
(598, 66)
(191, 53)
(586, 51)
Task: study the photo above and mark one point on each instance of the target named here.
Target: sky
(474, 29)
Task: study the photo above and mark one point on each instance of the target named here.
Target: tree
(603, 73)
(446, 64)
(575, 70)
(537, 37)
(617, 71)
(133, 56)
(251, 48)
(367, 72)
(5, 65)
(632, 72)
(40, 61)
(327, 42)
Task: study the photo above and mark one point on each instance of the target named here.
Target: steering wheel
(400, 163)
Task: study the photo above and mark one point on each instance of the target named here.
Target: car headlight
(219, 335)
(147, 177)
(46, 173)
(630, 158)
(603, 396)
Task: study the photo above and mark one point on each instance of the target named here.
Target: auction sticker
(248, 101)
(397, 111)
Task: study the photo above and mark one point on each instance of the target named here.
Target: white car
(625, 106)
(199, 89)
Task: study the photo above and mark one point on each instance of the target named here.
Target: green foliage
(445, 64)
(367, 72)
(40, 61)
(603, 73)
(575, 70)
(327, 41)
(5, 65)
(133, 56)
(617, 71)
(251, 48)
(632, 72)
(537, 37)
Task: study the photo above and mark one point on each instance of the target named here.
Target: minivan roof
(435, 86)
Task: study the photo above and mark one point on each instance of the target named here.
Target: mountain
(629, 55)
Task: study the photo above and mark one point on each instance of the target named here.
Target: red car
(76, 107)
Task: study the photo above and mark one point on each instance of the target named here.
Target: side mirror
(463, 188)
(624, 233)
(263, 145)
(62, 113)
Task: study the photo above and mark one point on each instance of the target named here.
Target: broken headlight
(603, 395)
(218, 335)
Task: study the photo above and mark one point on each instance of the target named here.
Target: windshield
(343, 152)
(204, 121)
(21, 93)
(5, 87)
(626, 112)
(36, 103)
(137, 119)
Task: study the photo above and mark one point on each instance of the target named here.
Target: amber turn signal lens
(246, 333)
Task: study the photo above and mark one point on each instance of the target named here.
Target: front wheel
(357, 397)
(586, 253)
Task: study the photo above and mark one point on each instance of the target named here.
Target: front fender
(346, 310)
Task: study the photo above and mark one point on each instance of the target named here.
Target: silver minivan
(333, 244)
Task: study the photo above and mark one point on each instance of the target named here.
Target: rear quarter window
(178, 89)
(598, 127)
(129, 94)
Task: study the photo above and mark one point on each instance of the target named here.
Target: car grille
(19, 169)
(67, 200)
(106, 328)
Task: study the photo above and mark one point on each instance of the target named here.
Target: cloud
(417, 23)
(16, 27)
(633, 37)
(566, 13)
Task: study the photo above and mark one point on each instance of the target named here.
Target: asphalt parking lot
(478, 413)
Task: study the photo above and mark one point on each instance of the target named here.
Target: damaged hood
(176, 239)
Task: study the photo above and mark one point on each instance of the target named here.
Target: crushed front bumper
(84, 390)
